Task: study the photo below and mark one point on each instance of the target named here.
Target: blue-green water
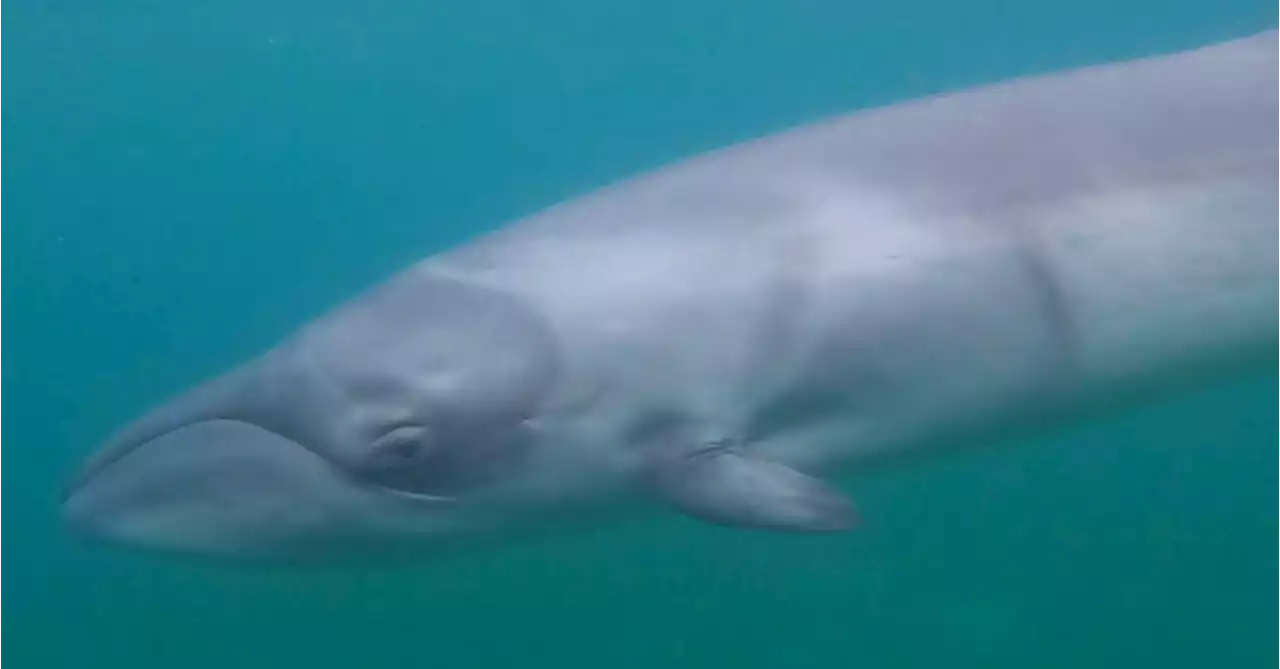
(188, 181)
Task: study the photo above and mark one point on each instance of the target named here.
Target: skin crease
(885, 284)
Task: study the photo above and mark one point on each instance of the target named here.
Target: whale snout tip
(95, 507)
(81, 516)
(79, 508)
(211, 486)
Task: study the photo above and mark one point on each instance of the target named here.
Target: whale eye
(440, 462)
(402, 444)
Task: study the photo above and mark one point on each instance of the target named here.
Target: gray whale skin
(720, 335)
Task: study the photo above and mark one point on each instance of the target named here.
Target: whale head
(411, 414)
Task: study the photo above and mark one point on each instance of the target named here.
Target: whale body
(719, 335)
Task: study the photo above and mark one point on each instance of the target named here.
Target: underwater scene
(191, 182)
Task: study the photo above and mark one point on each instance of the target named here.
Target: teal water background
(187, 181)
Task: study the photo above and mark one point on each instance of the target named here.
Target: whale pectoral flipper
(723, 484)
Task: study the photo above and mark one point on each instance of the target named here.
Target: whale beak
(221, 486)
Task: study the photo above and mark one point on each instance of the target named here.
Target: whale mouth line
(407, 495)
(118, 452)
(213, 481)
(110, 455)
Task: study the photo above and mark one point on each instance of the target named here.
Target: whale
(723, 336)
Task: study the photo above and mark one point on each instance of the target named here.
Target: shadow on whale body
(1051, 248)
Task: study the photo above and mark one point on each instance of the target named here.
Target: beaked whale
(718, 334)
